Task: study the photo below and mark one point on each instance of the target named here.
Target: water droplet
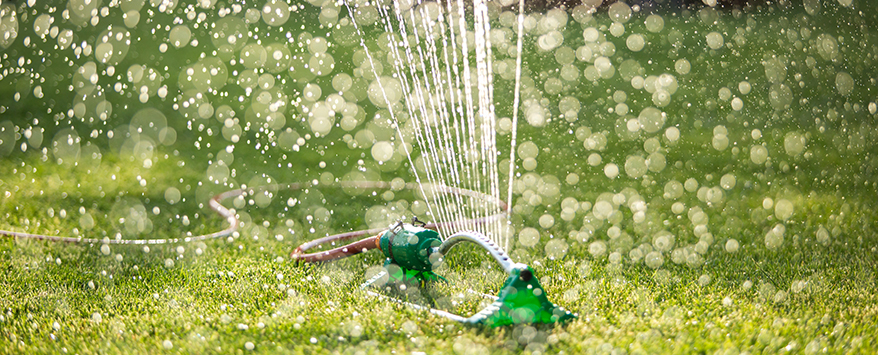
(597, 249)
(775, 237)
(617, 29)
(704, 280)
(180, 36)
(556, 249)
(720, 142)
(737, 104)
(822, 235)
(727, 302)
(663, 241)
(652, 119)
(275, 12)
(844, 83)
(784, 209)
(714, 40)
(690, 184)
(654, 259)
(611, 170)
(654, 23)
(547, 221)
(744, 87)
(529, 237)
(682, 66)
(635, 42)
(780, 96)
(635, 166)
(550, 41)
(619, 12)
(382, 151)
(728, 181)
(732, 246)
(594, 159)
(758, 154)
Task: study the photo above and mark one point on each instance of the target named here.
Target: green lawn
(756, 233)
(224, 296)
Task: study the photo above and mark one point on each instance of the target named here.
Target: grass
(243, 295)
(73, 298)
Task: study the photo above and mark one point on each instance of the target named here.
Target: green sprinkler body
(410, 247)
(413, 250)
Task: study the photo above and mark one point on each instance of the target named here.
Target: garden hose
(230, 215)
(215, 204)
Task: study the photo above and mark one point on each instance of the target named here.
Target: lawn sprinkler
(412, 250)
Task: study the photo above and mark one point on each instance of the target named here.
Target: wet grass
(228, 295)
(242, 294)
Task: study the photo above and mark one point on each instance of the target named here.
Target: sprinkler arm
(480, 240)
(522, 299)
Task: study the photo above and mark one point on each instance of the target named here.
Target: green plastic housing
(521, 301)
(410, 247)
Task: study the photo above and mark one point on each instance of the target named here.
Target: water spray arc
(448, 103)
(432, 69)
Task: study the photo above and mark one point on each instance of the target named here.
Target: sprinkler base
(523, 300)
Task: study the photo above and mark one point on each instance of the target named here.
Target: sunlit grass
(811, 291)
(230, 295)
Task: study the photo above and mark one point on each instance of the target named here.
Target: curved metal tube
(481, 240)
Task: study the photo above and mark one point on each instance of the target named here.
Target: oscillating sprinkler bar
(416, 250)
(480, 240)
